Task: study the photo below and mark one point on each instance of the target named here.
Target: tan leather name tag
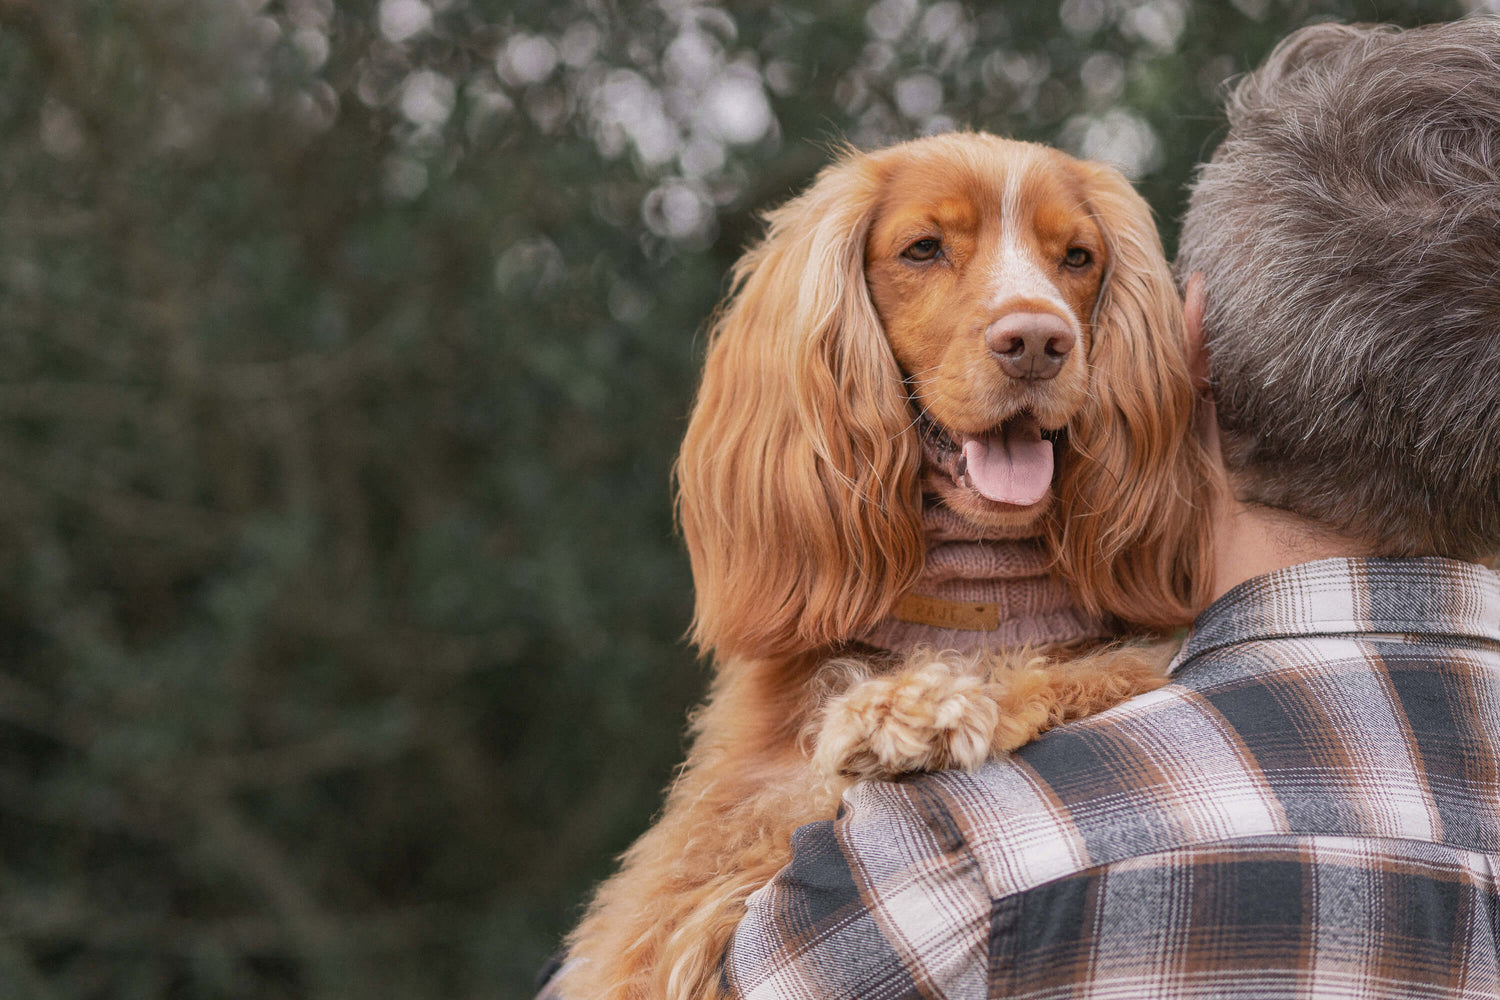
(939, 613)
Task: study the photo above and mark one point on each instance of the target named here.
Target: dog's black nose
(1030, 346)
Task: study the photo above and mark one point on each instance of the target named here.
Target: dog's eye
(1077, 257)
(924, 249)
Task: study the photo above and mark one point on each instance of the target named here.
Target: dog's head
(991, 322)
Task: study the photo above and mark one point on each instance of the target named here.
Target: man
(1312, 807)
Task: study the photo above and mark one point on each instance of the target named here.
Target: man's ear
(1194, 301)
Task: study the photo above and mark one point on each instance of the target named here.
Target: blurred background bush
(344, 348)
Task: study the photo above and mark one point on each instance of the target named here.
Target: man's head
(1348, 229)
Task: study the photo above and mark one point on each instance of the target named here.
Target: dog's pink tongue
(1012, 466)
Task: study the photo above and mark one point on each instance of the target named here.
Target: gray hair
(1348, 228)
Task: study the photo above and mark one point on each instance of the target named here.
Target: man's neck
(1251, 540)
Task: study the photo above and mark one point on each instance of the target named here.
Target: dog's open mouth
(1009, 464)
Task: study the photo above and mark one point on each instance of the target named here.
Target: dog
(960, 328)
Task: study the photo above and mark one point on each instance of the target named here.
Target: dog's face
(928, 318)
(985, 273)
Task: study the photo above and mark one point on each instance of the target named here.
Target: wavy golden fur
(800, 485)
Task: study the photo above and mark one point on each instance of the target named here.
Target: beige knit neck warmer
(981, 588)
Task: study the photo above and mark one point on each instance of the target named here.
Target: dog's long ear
(797, 484)
(1131, 524)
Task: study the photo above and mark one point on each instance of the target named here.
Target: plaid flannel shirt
(1310, 809)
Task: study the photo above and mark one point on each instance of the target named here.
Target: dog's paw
(924, 719)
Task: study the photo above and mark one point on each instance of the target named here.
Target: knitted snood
(982, 588)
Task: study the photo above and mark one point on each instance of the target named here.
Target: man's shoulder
(1343, 736)
(1160, 772)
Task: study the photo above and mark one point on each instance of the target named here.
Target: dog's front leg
(943, 709)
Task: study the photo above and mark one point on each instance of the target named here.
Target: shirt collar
(1429, 596)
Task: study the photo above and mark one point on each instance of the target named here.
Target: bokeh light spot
(404, 19)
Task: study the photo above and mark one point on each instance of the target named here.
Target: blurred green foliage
(344, 348)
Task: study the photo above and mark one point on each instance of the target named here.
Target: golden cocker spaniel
(960, 322)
